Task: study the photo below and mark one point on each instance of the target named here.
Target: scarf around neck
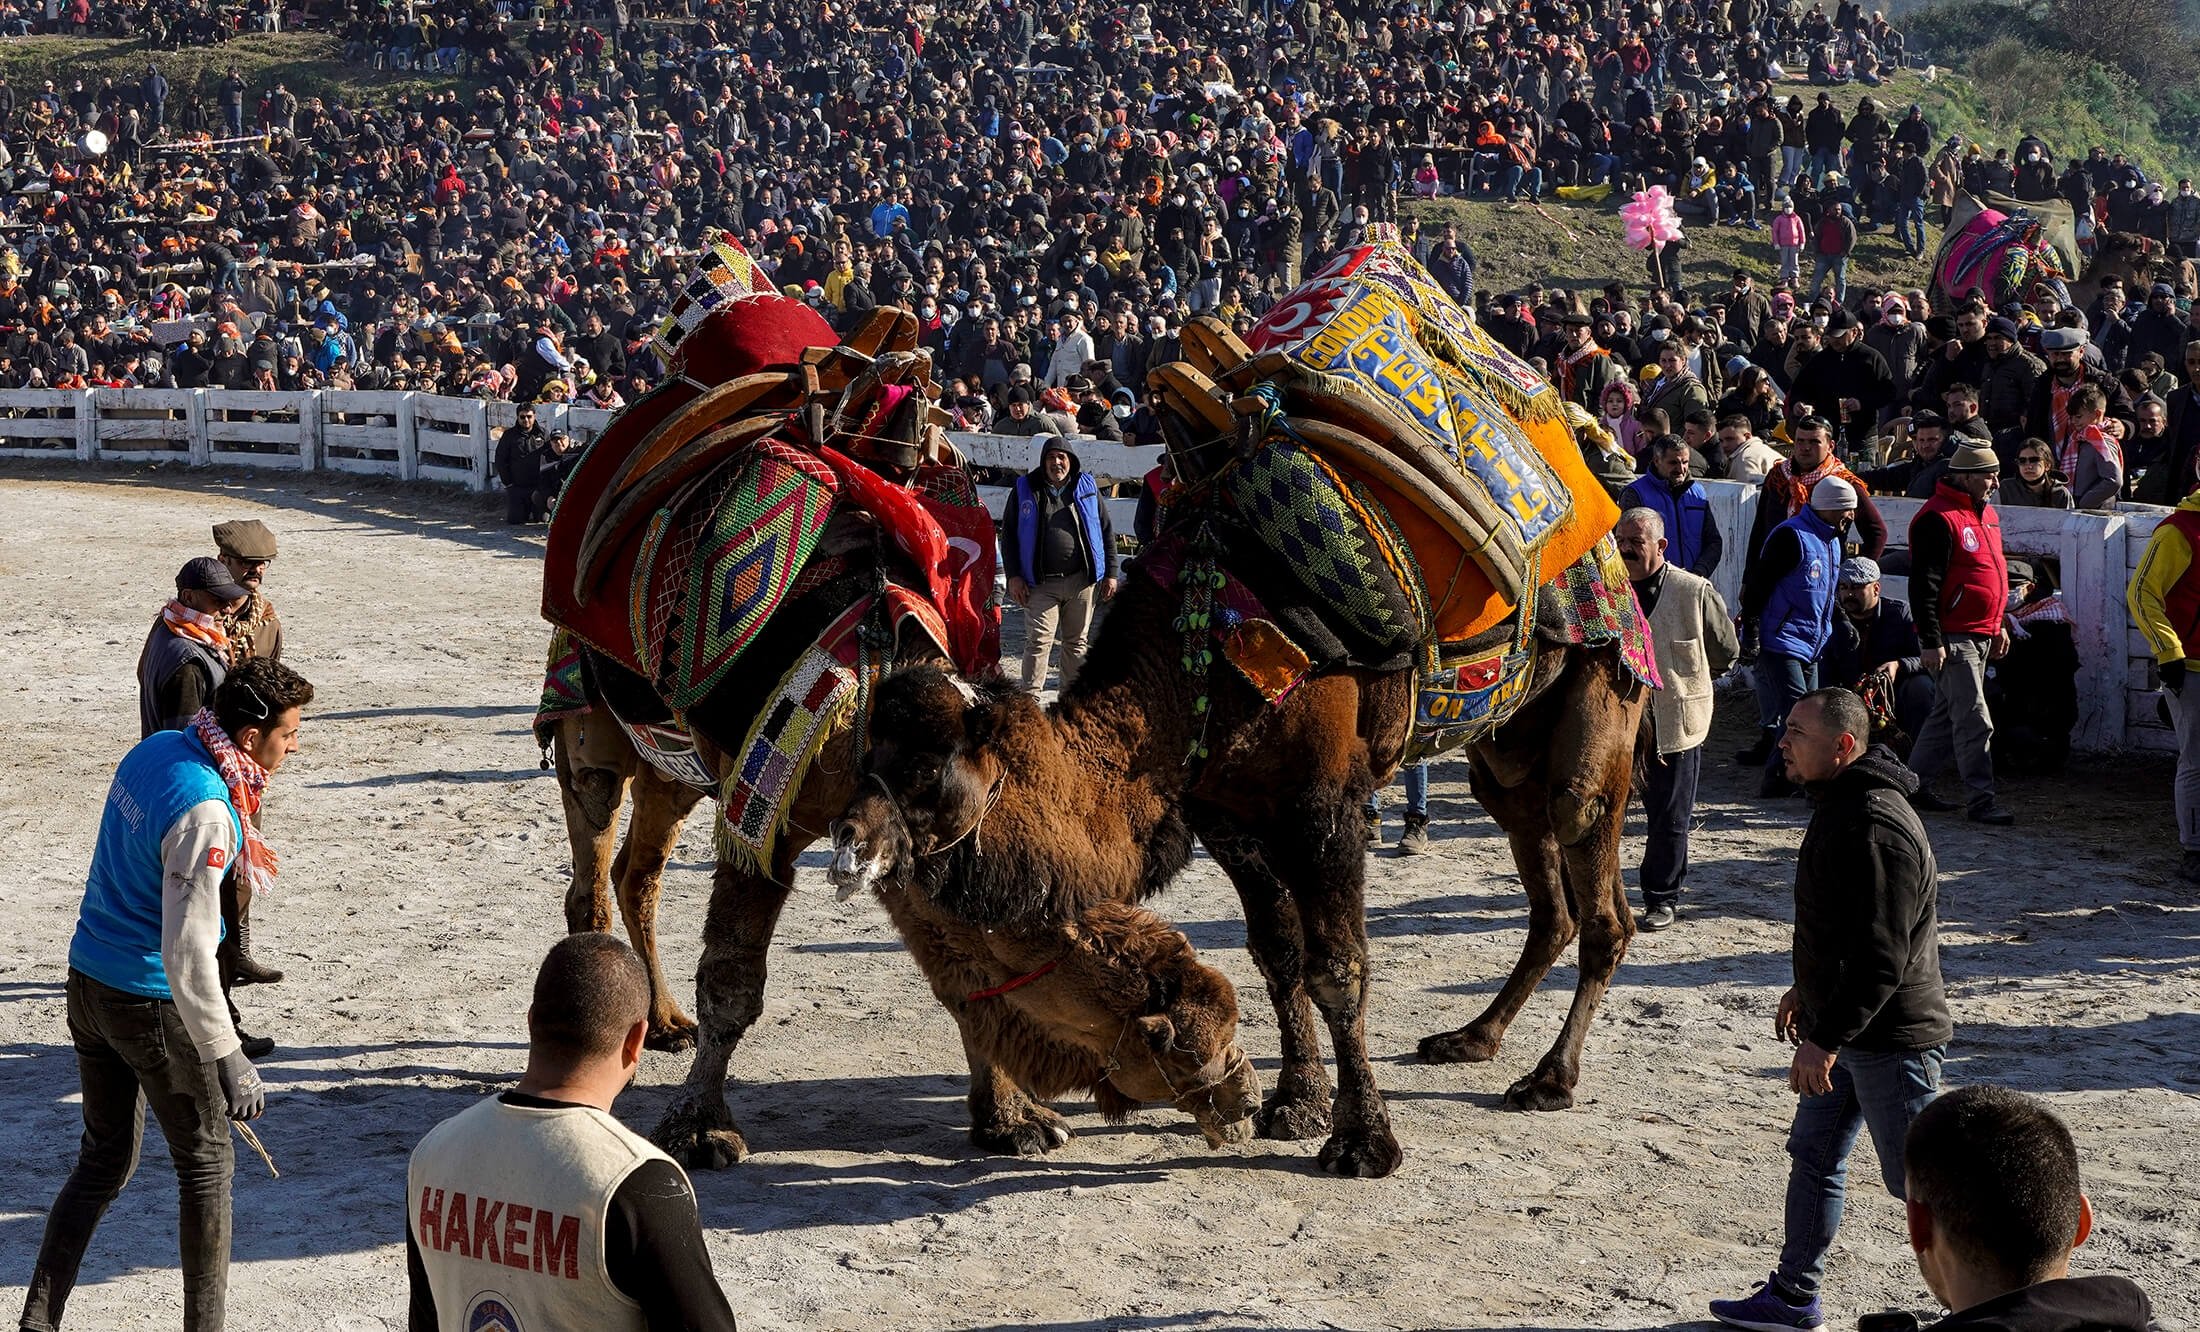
(201, 628)
(246, 781)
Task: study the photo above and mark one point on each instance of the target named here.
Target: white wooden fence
(424, 437)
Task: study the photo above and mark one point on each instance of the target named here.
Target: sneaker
(1656, 918)
(1992, 814)
(1414, 840)
(1931, 804)
(1767, 1309)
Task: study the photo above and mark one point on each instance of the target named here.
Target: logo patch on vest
(489, 1313)
(1970, 539)
(1817, 570)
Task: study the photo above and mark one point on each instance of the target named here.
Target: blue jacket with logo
(1799, 611)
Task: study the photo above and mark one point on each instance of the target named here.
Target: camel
(1278, 804)
(2136, 260)
(598, 771)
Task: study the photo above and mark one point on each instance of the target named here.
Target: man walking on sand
(1867, 1013)
(145, 997)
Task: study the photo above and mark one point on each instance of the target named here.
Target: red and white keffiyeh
(197, 626)
(246, 780)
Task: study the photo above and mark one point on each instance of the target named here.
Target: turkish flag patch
(216, 857)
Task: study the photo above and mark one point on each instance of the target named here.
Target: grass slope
(310, 63)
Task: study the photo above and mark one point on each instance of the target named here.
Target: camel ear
(1160, 1033)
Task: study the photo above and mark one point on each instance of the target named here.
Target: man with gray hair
(1695, 641)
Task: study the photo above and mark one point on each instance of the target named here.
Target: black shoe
(256, 1047)
(1776, 787)
(2189, 870)
(1992, 814)
(1656, 918)
(1755, 755)
(244, 969)
(1931, 804)
(1414, 840)
(1374, 827)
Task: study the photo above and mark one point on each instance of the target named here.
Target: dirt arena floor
(424, 865)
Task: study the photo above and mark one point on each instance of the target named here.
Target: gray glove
(241, 1085)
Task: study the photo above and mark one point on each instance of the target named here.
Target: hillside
(310, 63)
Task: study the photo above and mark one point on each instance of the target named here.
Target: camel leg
(1321, 859)
(1523, 813)
(1004, 1118)
(592, 797)
(1298, 1107)
(660, 807)
(698, 1128)
(1592, 766)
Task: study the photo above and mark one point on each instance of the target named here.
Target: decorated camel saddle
(693, 550)
(2000, 248)
(1421, 487)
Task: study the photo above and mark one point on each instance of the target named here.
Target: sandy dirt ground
(424, 864)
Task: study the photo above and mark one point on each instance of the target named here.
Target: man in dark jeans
(146, 1013)
(1867, 1014)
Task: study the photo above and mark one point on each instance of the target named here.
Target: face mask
(2016, 598)
(1121, 412)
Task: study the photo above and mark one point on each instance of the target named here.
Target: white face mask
(1122, 413)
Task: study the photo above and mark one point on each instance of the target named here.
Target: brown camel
(1278, 804)
(598, 770)
(2139, 261)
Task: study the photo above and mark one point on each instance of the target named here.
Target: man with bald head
(1695, 642)
(536, 1208)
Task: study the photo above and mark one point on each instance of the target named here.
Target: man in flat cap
(247, 547)
(187, 654)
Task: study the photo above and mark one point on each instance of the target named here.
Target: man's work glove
(241, 1085)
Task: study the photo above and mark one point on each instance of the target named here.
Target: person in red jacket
(1959, 589)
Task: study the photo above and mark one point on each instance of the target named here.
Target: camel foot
(1371, 1154)
(1294, 1116)
(1463, 1046)
(1539, 1091)
(701, 1136)
(674, 1036)
(1033, 1130)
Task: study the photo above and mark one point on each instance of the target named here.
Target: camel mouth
(856, 867)
(1224, 1108)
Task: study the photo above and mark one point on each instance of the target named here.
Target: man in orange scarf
(187, 654)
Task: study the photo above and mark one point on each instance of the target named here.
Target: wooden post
(309, 432)
(87, 425)
(194, 415)
(480, 451)
(408, 439)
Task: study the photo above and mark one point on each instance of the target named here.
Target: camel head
(2129, 256)
(928, 777)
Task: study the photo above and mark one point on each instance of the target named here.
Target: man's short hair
(1738, 421)
(1813, 422)
(1646, 518)
(1959, 389)
(2000, 1173)
(1700, 417)
(590, 992)
(258, 692)
(1844, 712)
(1665, 446)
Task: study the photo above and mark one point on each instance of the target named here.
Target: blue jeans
(1883, 1092)
(1909, 224)
(1822, 161)
(1781, 680)
(1416, 780)
(1837, 266)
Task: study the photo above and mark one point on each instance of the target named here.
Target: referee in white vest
(536, 1209)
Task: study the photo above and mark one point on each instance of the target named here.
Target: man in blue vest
(145, 999)
(1790, 592)
(1670, 491)
(1059, 549)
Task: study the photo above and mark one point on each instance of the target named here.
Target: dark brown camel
(598, 770)
(1278, 804)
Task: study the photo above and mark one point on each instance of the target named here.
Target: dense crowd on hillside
(1053, 188)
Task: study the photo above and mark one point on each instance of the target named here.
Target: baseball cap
(207, 574)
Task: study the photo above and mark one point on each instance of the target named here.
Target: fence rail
(426, 437)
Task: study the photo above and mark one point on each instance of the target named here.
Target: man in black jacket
(1995, 1208)
(520, 451)
(1867, 1013)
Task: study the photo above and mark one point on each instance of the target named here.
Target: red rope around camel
(1016, 984)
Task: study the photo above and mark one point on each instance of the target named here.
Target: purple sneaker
(1768, 1310)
